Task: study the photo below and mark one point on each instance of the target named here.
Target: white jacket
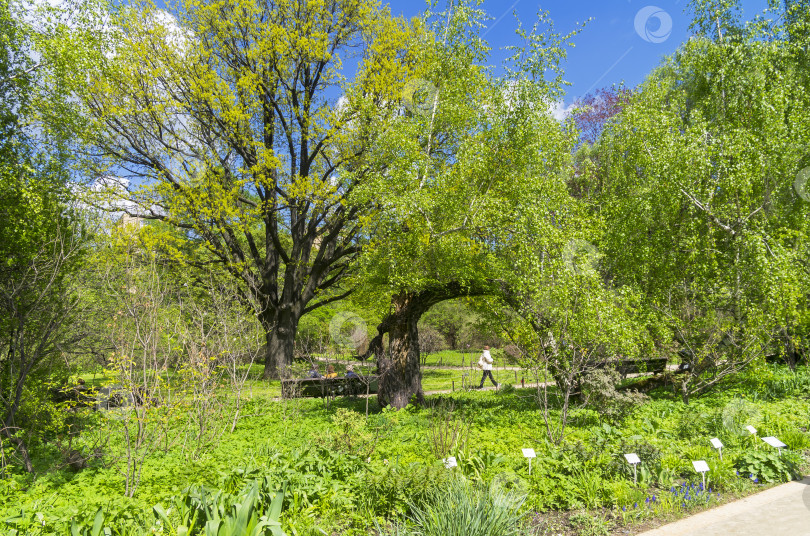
(485, 360)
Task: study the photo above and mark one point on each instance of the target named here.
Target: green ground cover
(343, 472)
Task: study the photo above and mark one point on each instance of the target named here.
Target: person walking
(485, 362)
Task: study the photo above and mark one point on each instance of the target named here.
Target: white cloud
(178, 38)
(560, 111)
(106, 199)
(45, 16)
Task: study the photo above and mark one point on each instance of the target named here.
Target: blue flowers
(692, 494)
(684, 496)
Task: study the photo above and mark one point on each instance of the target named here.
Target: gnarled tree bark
(399, 369)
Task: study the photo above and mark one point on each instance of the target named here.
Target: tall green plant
(464, 509)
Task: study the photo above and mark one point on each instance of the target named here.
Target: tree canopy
(243, 125)
(701, 206)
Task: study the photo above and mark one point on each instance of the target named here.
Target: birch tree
(704, 205)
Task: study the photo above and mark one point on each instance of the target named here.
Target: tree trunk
(452, 338)
(22, 450)
(685, 387)
(400, 374)
(280, 347)
(15, 398)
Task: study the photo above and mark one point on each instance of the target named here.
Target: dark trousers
(484, 377)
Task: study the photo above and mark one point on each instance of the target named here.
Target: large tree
(703, 207)
(466, 156)
(246, 125)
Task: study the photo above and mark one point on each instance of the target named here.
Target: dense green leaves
(701, 209)
(41, 241)
(267, 176)
(252, 146)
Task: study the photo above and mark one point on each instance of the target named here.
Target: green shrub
(738, 414)
(388, 490)
(648, 471)
(722, 475)
(769, 466)
(351, 434)
(696, 420)
(474, 464)
(600, 393)
(82, 529)
(795, 439)
(253, 512)
(506, 389)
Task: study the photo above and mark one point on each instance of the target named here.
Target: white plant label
(716, 443)
(751, 429)
(529, 453)
(772, 441)
(632, 459)
(701, 466)
(450, 462)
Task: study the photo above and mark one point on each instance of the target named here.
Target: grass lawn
(445, 379)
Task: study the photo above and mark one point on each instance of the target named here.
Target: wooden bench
(640, 366)
(636, 366)
(322, 387)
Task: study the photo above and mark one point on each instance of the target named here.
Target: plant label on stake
(716, 443)
(701, 467)
(633, 460)
(772, 441)
(529, 453)
(450, 462)
(753, 432)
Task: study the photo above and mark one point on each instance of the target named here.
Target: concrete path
(780, 511)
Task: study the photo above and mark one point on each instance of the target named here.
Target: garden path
(780, 511)
(358, 363)
(485, 388)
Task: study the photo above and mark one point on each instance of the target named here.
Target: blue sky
(609, 50)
